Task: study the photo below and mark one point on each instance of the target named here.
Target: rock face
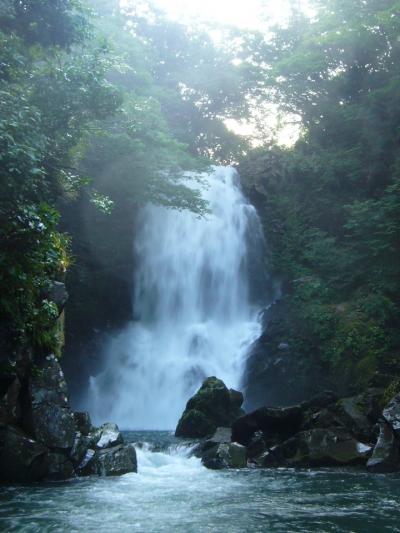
(212, 406)
(50, 418)
(54, 443)
(274, 374)
(22, 460)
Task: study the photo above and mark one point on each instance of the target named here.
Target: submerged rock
(386, 454)
(212, 406)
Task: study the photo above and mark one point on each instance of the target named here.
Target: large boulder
(225, 455)
(386, 454)
(356, 415)
(328, 447)
(317, 448)
(212, 406)
(277, 424)
(49, 417)
(360, 413)
(22, 459)
(116, 461)
(391, 414)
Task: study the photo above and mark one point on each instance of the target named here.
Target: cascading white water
(192, 300)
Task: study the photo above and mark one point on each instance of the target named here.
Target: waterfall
(192, 302)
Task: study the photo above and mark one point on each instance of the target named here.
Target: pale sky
(241, 13)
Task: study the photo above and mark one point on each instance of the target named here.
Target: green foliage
(49, 93)
(330, 204)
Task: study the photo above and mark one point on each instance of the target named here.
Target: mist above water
(192, 300)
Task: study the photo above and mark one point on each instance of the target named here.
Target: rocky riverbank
(41, 438)
(324, 432)
(52, 442)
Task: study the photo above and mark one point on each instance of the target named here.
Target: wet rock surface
(226, 455)
(322, 432)
(213, 405)
(54, 443)
(116, 461)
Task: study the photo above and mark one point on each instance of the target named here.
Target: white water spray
(195, 315)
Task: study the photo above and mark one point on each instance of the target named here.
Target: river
(173, 492)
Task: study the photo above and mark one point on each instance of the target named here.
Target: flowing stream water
(174, 493)
(192, 300)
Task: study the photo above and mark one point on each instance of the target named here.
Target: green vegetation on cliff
(331, 203)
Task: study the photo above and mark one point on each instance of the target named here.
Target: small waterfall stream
(192, 300)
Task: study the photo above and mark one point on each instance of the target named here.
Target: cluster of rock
(41, 438)
(325, 431)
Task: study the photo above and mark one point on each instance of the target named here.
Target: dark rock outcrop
(277, 424)
(49, 416)
(317, 448)
(55, 443)
(22, 459)
(82, 422)
(212, 406)
(328, 447)
(275, 375)
(60, 467)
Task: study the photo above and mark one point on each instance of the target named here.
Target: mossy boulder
(213, 406)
